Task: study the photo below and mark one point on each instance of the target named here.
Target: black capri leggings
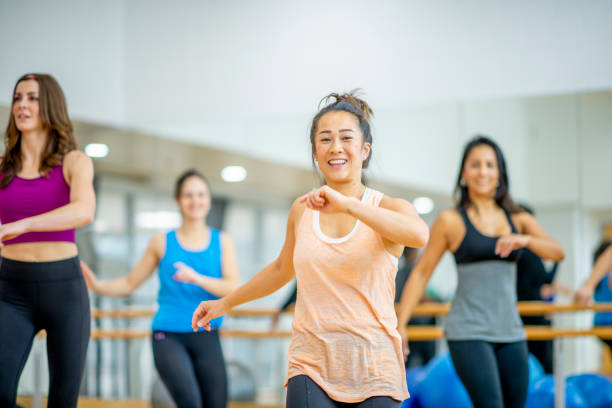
(302, 392)
(50, 296)
(191, 366)
(495, 375)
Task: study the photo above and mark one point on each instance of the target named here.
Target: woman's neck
(482, 204)
(350, 189)
(32, 145)
(192, 228)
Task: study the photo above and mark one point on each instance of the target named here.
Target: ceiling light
(233, 174)
(423, 205)
(158, 219)
(96, 150)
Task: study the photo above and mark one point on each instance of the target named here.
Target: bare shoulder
(449, 220)
(157, 244)
(76, 156)
(450, 216)
(75, 161)
(297, 209)
(523, 221)
(225, 239)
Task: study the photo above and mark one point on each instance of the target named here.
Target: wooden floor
(26, 402)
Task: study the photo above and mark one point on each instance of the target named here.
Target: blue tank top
(177, 300)
(603, 294)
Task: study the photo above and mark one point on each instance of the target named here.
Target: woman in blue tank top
(194, 262)
(485, 233)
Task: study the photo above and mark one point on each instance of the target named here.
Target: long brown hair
(55, 120)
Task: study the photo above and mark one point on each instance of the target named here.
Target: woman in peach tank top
(342, 245)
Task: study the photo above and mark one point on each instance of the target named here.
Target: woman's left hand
(326, 199)
(184, 273)
(11, 230)
(509, 243)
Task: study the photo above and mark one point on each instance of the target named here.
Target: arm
(422, 271)
(80, 211)
(218, 287)
(531, 236)
(126, 285)
(290, 301)
(267, 281)
(395, 220)
(602, 266)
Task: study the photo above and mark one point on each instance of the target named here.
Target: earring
(462, 183)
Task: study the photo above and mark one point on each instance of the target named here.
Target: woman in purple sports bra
(46, 192)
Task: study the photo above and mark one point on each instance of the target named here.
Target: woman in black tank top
(485, 232)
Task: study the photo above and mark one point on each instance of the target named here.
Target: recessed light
(233, 174)
(97, 150)
(423, 205)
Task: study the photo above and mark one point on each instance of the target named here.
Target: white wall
(247, 75)
(80, 43)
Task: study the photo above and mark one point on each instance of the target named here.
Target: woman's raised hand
(509, 243)
(184, 273)
(325, 199)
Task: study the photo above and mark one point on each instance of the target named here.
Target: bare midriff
(39, 251)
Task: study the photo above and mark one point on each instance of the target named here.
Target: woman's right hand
(584, 295)
(90, 279)
(207, 311)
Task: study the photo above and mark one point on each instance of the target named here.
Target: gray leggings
(302, 392)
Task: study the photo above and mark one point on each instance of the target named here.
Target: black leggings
(302, 392)
(50, 296)
(495, 375)
(191, 366)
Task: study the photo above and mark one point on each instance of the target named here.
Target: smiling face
(194, 198)
(339, 148)
(481, 171)
(26, 108)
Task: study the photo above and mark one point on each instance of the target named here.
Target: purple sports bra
(23, 198)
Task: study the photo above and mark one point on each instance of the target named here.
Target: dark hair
(346, 102)
(55, 120)
(603, 245)
(526, 208)
(178, 185)
(502, 194)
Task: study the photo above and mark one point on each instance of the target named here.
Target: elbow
(421, 238)
(560, 256)
(86, 216)
(87, 219)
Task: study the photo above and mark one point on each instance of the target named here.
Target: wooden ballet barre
(424, 333)
(423, 309)
(416, 333)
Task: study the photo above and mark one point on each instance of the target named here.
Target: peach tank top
(345, 329)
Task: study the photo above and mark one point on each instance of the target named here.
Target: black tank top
(477, 247)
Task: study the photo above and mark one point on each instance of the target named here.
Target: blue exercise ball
(441, 387)
(542, 395)
(595, 388)
(536, 371)
(414, 376)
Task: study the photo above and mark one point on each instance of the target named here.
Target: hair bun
(352, 98)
